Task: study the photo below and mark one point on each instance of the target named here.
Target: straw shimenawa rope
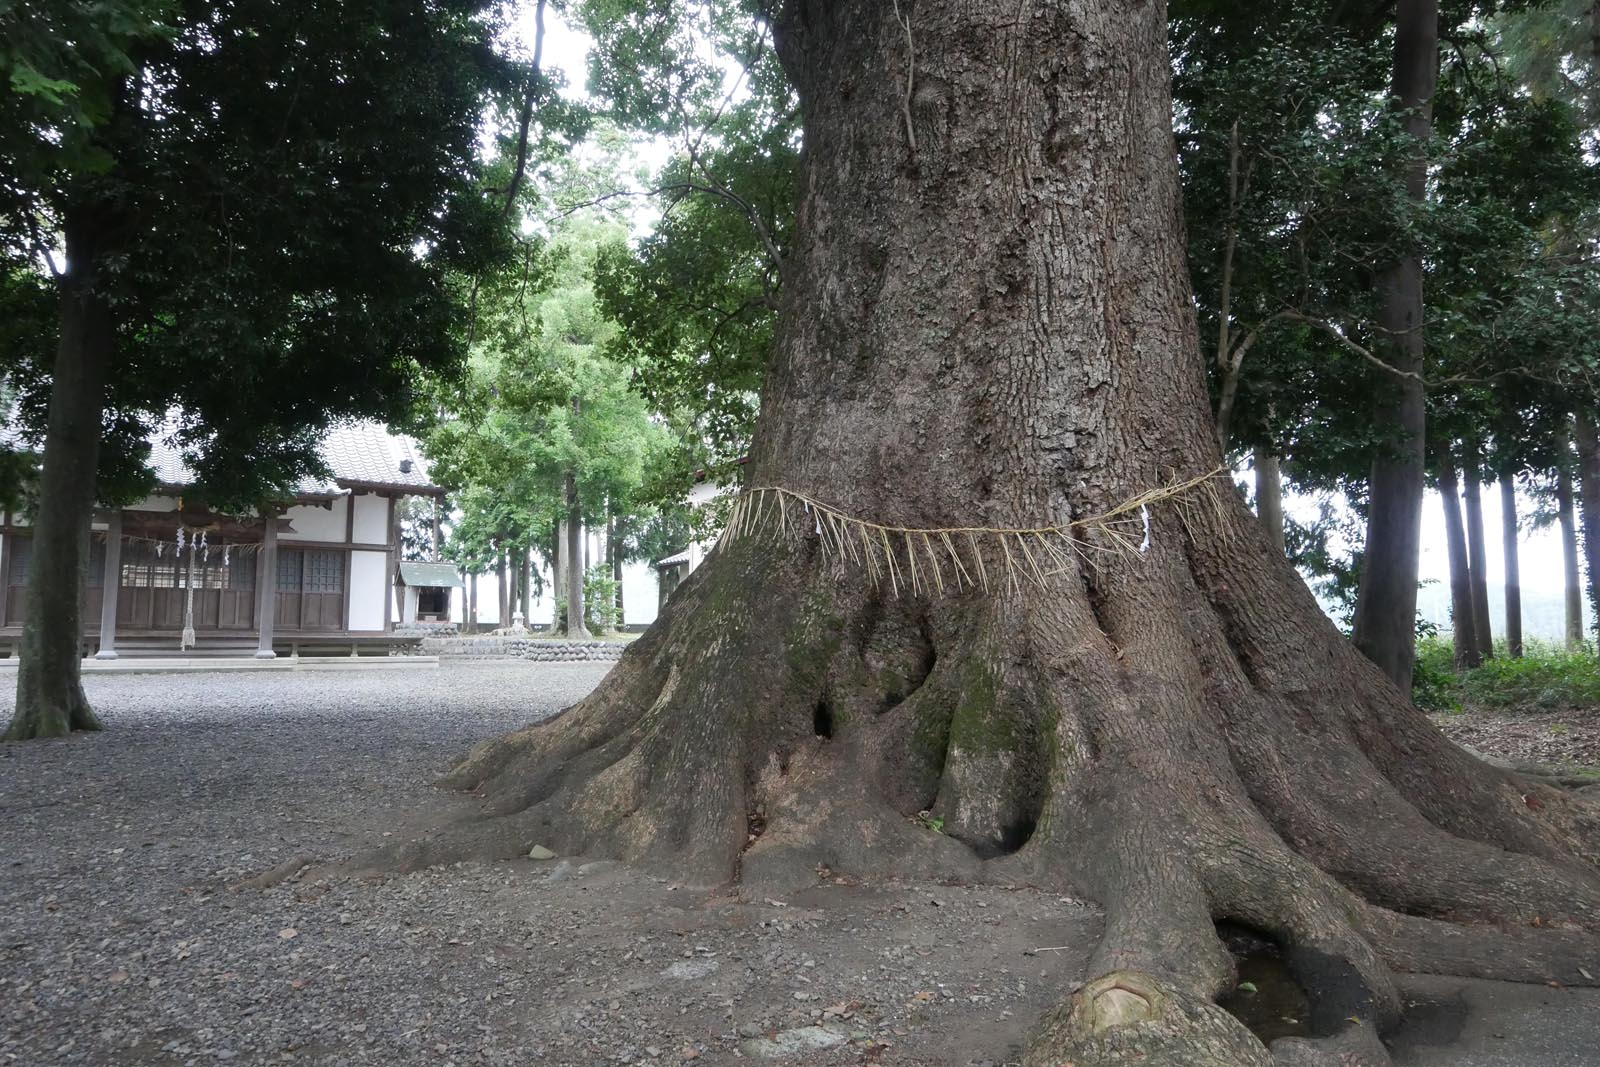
(932, 559)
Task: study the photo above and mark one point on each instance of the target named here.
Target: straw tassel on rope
(930, 560)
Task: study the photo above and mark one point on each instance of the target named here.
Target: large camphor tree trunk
(50, 698)
(988, 323)
(1386, 605)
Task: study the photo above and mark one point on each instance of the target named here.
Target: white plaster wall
(372, 520)
(313, 522)
(369, 574)
(641, 597)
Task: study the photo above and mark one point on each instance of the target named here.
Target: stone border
(530, 648)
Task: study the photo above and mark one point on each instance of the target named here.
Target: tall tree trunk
(1572, 570)
(1386, 604)
(1588, 442)
(1477, 551)
(577, 629)
(1509, 535)
(527, 586)
(1269, 496)
(986, 355)
(558, 577)
(1462, 616)
(614, 554)
(50, 697)
(472, 604)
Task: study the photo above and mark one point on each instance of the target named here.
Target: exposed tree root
(1159, 754)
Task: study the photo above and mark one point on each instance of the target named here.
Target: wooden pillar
(267, 608)
(109, 585)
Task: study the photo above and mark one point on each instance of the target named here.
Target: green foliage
(1434, 684)
(1546, 677)
(697, 298)
(599, 600)
(278, 198)
(542, 401)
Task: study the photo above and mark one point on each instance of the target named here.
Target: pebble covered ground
(121, 943)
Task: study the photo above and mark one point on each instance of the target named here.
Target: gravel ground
(121, 943)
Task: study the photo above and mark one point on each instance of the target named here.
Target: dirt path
(1562, 737)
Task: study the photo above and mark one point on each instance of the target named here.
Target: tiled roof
(431, 575)
(672, 560)
(358, 454)
(366, 453)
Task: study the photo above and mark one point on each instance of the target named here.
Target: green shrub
(1434, 685)
(599, 600)
(1546, 677)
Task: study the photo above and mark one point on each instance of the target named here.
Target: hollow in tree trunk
(1464, 630)
(987, 322)
(1513, 558)
(1386, 605)
(1571, 569)
(50, 697)
(572, 553)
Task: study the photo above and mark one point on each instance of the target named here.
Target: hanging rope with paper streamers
(187, 640)
(160, 546)
(925, 560)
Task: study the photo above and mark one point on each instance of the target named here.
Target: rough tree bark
(572, 553)
(1510, 548)
(987, 322)
(1477, 550)
(1588, 442)
(1386, 605)
(1462, 617)
(1572, 571)
(50, 698)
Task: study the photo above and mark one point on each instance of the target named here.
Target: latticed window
(21, 558)
(290, 562)
(241, 570)
(324, 572)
